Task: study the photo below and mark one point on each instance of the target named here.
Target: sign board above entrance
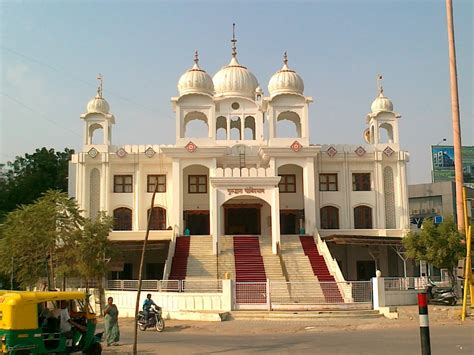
(248, 190)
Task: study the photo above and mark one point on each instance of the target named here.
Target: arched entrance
(245, 215)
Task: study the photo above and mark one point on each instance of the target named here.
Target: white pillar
(309, 196)
(226, 295)
(213, 210)
(378, 291)
(107, 189)
(378, 213)
(136, 199)
(177, 193)
(275, 207)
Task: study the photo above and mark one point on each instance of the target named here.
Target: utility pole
(455, 117)
(140, 272)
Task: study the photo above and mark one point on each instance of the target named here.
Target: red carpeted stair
(249, 265)
(320, 270)
(180, 259)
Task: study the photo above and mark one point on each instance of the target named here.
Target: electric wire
(65, 73)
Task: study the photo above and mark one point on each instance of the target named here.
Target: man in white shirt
(65, 321)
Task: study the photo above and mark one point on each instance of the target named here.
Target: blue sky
(51, 52)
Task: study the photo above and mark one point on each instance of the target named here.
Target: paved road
(371, 336)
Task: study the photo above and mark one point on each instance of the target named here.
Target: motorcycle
(154, 320)
(441, 295)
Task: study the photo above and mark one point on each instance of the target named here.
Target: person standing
(112, 331)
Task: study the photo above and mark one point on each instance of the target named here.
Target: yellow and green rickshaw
(29, 323)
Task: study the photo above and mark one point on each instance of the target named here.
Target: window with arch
(221, 128)
(235, 128)
(288, 125)
(385, 133)
(96, 134)
(123, 219)
(157, 218)
(329, 217)
(196, 125)
(363, 217)
(249, 130)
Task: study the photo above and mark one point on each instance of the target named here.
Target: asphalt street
(372, 336)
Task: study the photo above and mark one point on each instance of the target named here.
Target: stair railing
(217, 260)
(171, 250)
(333, 267)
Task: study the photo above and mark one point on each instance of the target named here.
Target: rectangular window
(361, 182)
(123, 183)
(287, 184)
(197, 184)
(327, 182)
(151, 182)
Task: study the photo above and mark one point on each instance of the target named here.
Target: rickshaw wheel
(95, 349)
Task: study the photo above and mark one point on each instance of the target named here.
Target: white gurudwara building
(243, 191)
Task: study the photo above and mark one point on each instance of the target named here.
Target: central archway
(246, 215)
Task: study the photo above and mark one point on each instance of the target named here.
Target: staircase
(296, 262)
(226, 257)
(271, 261)
(249, 266)
(330, 290)
(180, 259)
(202, 263)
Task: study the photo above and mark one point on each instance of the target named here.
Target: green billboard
(442, 158)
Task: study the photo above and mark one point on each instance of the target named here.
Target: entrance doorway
(365, 270)
(197, 222)
(242, 219)
(289, 221)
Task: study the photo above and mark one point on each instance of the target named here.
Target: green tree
(32, 234)
(50, 238)
(28, 177)
(440, 245)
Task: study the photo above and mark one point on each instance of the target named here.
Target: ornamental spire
(379, 84)
(285, 58)
(196, 57)
(234, 41)
(100, 87)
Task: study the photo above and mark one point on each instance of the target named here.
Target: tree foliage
(50, 238)
(28, 177)
(439, 245)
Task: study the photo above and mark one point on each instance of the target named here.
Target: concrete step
(305, 315)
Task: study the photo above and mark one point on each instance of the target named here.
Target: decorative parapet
(245, 172)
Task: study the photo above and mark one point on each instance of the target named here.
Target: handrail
(169, 258)
(282, 263)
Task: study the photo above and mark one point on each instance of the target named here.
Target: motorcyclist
(147, 306)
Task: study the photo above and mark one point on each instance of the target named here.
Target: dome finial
(379, 84)
(100, 87)
(196, 57)
(234, 41)
(285, 58)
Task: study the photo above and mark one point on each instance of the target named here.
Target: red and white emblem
(296, 146)
(121, 153)
(388, 151)
(331, 151)
(191, 147)
(360, 151)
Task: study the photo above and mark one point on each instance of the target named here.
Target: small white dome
(98, 105)
(235, 80)
(381, 104)
(195, 80)
(285, 81)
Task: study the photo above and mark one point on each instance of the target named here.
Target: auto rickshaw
(29, 326)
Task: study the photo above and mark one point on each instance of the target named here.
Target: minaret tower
(98, 119)
(382, 121)
(286, 102)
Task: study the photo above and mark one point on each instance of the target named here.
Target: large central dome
(235, 80)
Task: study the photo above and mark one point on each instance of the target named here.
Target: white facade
(246, 162)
